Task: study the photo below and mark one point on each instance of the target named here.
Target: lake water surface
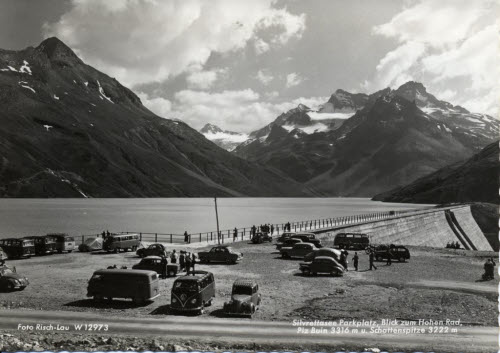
(20, 217)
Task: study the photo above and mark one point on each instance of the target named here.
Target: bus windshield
(27, 243)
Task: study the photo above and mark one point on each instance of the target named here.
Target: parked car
(43, 245)
(261, 237)
(155, 249)
(193, 292)
(245, 298)
(3, 255)
(16, 248)
(322, 264)
(153, 263)
(118, 242)
(284, 236)
(329, 252)
(398, 252)
(298, 250)
(139, 285)
(287, 243)
(10, 280)
(63, 241)
(220, 253)
(308, 238)
(354, 241)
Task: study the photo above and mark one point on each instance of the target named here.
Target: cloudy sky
(240, 63)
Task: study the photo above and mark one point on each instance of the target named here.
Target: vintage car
(287, 243)
(193, 292)
(298, 250)
(119, 242)
(64, 242)
(322, 264)
(10, 280)
(220, 253)
(153, 263)
(398, 252)
(284, 236)
(329, 252)
(261, 237)
(245, 298)
(155, 249)
(307, 238)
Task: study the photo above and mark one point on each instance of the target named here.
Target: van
(118, 242)
(193, 292)
(138, 285)
(16, 248)
(354, 241)
(63, 241)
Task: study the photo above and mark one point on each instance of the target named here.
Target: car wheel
(252, 309)
(139, 301)
(315, 273)
(401, 259)
(69, 251)
(378, 258)
(10, 286)
(229, 261)
(109, 299)
(116, 250)
(209, 303)
(306, 272)
(171, 273)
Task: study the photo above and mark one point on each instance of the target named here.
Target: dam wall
(431, 227)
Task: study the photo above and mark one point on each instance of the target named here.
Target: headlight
(193, 301)
(174, 300)
(17, 282)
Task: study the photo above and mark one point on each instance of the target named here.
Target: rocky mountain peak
(55, 49)
(210, 128)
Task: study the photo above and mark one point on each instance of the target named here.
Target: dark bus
(354, 241)
(17, 248)
(44, 245)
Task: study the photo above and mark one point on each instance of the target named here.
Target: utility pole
(217, 219)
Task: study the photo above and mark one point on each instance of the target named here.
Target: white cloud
(238, 110)
(293, 79)
(264, 77)
(261, 46)
(451, 46)
(160, 106)
(203, 79)
(140, 41)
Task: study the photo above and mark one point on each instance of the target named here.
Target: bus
(354, 241)
(17, 248)
(118, 242)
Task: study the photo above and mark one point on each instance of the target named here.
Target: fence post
(200, 237)
(83, 239)
(210, 236)
(140, 234)
(156, 237)
(170, 238)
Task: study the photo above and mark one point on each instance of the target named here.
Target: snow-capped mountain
(223, 138)
(69, 130)
(394, 137)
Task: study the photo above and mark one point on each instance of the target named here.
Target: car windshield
(186, 285)
(70, 239)
(28, 243)
(48, 240)
(242, 290)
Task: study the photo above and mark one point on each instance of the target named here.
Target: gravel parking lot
(434, 284)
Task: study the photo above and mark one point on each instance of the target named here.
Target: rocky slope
(475, 180)
(68, 130)
(395, 137)
(225, 139)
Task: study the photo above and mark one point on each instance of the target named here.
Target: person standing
(182, 261)
(193, 260)
(372, 257)
(355, 260)
(235, 234)
(272, 229)
(186, 237)
(188, 262)
(173, 257)
(164, 264)
(389, 257)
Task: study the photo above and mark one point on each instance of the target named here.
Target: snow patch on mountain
(326, 116)
(236, 138)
